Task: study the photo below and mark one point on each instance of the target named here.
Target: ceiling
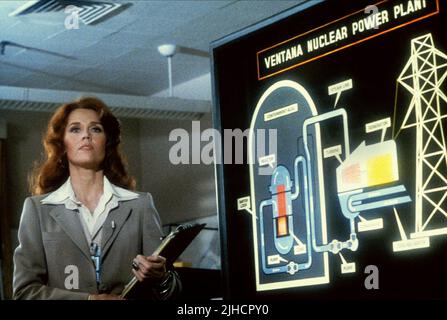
(119, 55)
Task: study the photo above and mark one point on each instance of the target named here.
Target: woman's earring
(61, 161)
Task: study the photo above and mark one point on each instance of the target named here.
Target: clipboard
(171, 247)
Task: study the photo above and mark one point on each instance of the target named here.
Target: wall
(23, 147)
(204, 251)
(181, 192)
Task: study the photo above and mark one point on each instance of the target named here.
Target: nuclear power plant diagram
(292, 239)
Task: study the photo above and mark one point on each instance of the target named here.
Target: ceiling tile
(120, 54)
(26, 65)
(84, 87)
(87, 34)
(9, 74)
(136, 59)
(31, 30)
(65, 70)
(129, 39)
(37, 80)
(129, 86)
(101, 51)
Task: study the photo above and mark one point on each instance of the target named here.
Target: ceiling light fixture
(168, 50)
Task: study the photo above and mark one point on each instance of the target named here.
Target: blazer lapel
(69, 222)
(113, 224)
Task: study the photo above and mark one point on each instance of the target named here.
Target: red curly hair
(53, 171)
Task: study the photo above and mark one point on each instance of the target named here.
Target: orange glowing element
(281, 223)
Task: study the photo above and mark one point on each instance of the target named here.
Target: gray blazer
(52, 241)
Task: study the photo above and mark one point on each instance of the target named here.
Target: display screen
(333, 179)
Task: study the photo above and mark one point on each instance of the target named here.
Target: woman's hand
(150, 268)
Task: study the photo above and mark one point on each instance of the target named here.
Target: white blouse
(92, 222)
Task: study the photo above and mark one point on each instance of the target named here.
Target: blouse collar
(65, 192)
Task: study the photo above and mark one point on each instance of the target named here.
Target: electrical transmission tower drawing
(422, 76)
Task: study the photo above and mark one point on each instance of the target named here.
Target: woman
(83, 233)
